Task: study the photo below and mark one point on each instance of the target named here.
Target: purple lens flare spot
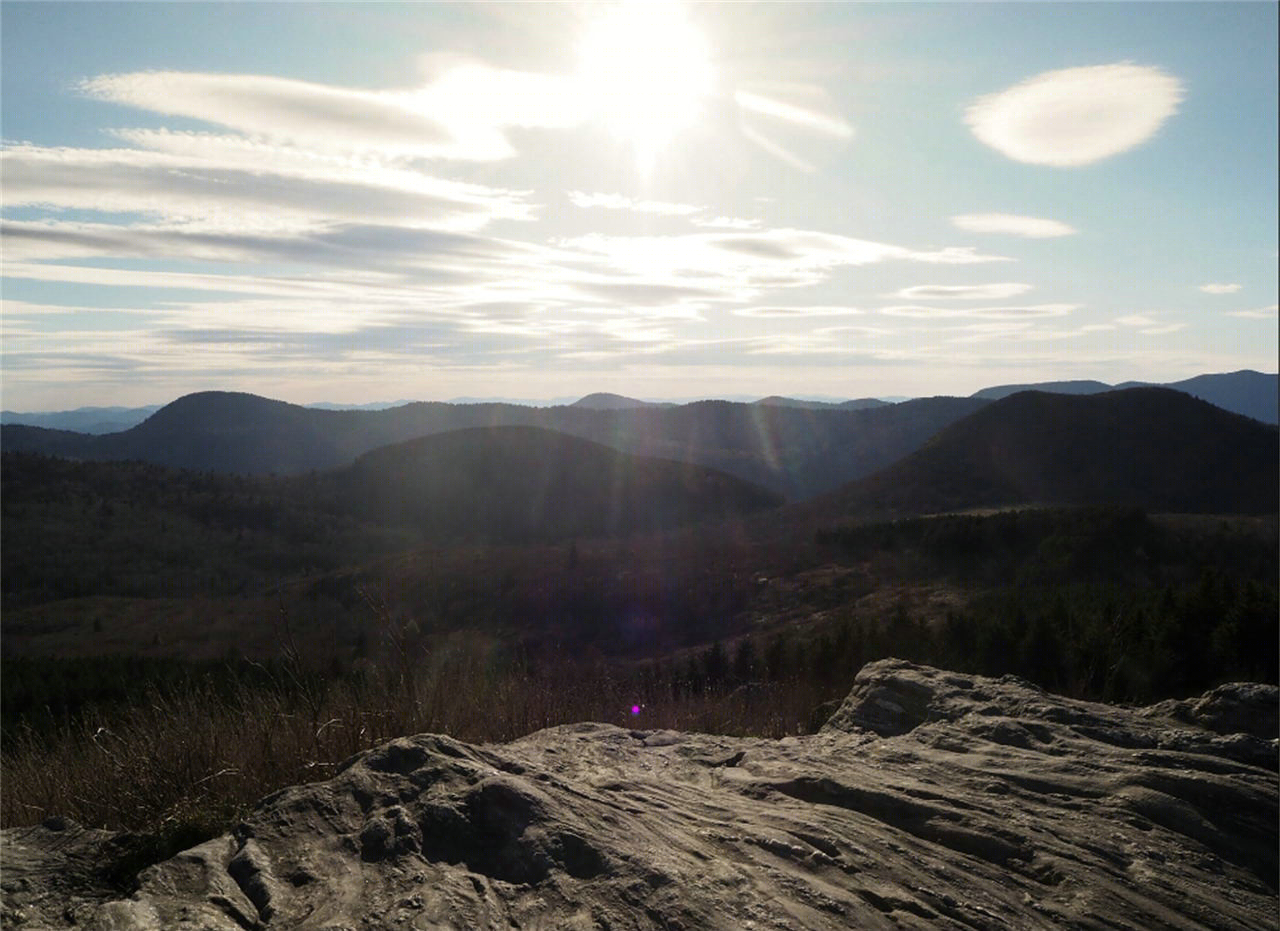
(635, 709)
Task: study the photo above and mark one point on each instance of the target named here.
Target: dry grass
(188, 763)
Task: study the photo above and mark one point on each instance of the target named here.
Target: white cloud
(1220, 288)
(462, 114)
(619, 202)
(1076, 116)
(1032, 311)
(1148, 325)
(282, 189)
(1261, 313)
(1013, 225)
(726, 223)
(742, 264)
(975, 292)
(321, 116)
(1136, 320)
(956, 255)
(795, 313)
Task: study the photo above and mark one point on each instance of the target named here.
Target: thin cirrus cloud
(1025, 312)
(1148, 325)
(1076, 116)
(1012, 225)
(1220, 288)
(1260, 313)
(462, 114)
(283, 189)
(742, 264)
(795, 313)
(619, 202)
(726, 223)
(995, 291)
(316, 114)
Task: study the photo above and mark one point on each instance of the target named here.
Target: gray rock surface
(929, 800)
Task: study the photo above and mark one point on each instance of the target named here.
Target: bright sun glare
(647, 72)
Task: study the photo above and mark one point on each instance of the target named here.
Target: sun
(646, 72)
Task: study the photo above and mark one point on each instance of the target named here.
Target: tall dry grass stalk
(189, 762)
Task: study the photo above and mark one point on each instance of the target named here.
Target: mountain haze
(83, 419)
(1253, 394)
(795, 452)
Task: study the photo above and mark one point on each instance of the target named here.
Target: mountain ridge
(520, 484)
(796, 452)
(1151, 447)
(1253, 394)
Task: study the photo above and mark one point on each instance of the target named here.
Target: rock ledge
(929, 800)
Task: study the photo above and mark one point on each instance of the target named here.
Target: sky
(373, 201)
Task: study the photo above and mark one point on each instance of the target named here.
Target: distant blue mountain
(371, 406)
(1253, 394)
(95, 420)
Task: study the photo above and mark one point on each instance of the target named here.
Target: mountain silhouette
(1246, 392)
(603, 401)
(1155, 448)
(522, 484)
(793, 451)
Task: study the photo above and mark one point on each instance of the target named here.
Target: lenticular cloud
(1076, 116)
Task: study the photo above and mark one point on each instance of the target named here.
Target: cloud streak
(1029, 311)
(283, 189)
(1076, 116)
(462, 114)
(1012, 225)
(795, 313)
(1260, 313)
(971, 292)
(619, 202)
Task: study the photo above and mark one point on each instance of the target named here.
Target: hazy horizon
(350, 203)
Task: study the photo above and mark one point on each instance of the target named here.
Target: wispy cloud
(283, 189)
(743, 264)
(795, 313)
(619, 202)
(1076, 116)
(726, 223)
(967, 292)
(1220, 288)
(462, 114)
(320, 116)
(1148, 325)
(1029, 311)
(1260, 313)
(1011, 224)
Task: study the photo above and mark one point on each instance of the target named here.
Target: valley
(501, 577)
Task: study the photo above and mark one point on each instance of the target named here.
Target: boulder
(928, 800)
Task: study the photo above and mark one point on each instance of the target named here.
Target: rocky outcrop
(929, 800)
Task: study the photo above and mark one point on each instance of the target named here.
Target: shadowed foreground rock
(930, 800)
